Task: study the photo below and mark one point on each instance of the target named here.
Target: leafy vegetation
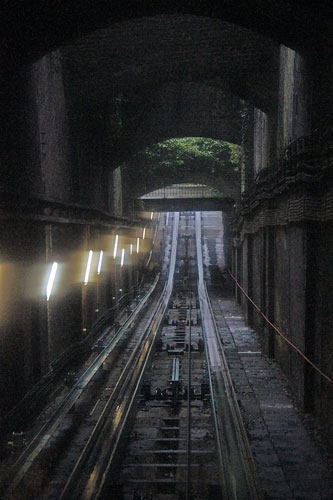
(181, 160)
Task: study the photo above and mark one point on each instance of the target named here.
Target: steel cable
(282, 335)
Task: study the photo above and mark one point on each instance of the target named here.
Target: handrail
(282, 335)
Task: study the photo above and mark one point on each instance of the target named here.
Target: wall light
(131, 249)
(86, 276)
(100, 262)
(51, 279)
(122, 257)
(151, 215)
(115, 246)
(144, 233)
(137, 245)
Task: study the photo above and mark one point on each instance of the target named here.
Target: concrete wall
(68, 247)
(116, 199)
(287, 271)
(275, 277)
(291, 117)
(13, 143)
(263, 140)
(22, 248)
(36, 158)
(286, 245)
(260, 152)
(67, 158)
(36, 333)
(320, 324)
(90, 162)
(50, 128)
(294, 98)
(290, 300)
(321, 105)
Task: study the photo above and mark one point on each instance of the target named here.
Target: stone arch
(187, 109)
(54, 24)
(159, 173)
(149, 53)
(226, 188)
(175, 75)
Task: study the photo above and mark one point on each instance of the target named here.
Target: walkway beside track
(238, 474)
(289, 463)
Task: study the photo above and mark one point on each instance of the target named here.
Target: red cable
(282, 335)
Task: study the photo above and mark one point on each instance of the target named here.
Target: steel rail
(105, 420)
(104, 440)
(188, 463)
(165, 299)
(38, 443)
(189, 385)
(237, 470)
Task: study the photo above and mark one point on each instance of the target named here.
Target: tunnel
(117, 118)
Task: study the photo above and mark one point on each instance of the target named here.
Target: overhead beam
(187, 204)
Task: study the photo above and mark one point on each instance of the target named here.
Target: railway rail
(100, 452)
(188, 439)
(155, 416)
(41, 439)
(44, 452)
(237, 469)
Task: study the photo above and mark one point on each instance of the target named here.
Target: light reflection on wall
(59, 277)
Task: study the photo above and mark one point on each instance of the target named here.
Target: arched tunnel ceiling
(177, 110)
(31, 29)
(169, 76)
(149, 52)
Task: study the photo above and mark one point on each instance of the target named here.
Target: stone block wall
(294, 106)
(290, 116)
(264, 139)
(37, 167)
(320, 324)
(290, 301)
(22, 249)
(286, 236)
(51, 128)
(117, 199)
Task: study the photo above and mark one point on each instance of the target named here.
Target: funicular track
(187, 440)
(54, 461)
(42, 441)
(237, 470)
(162, 422)
(89, 478)
(171, 452)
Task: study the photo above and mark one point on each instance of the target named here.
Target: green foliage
(176, 160)
(235, 154)
(175, 152)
